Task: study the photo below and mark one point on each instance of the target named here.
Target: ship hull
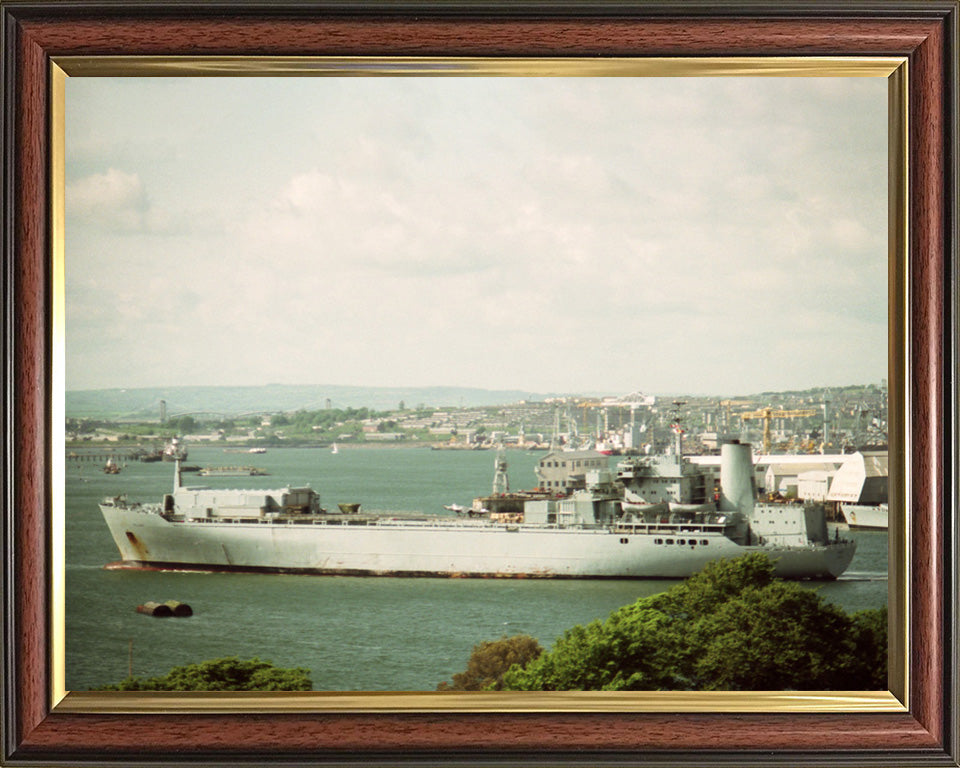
(403, 548)
(866, 516)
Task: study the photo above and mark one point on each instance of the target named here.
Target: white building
(862, 479)
(785, 478)
(814, 485)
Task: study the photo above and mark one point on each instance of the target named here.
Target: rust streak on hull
(142, 565)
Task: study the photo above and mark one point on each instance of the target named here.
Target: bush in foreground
(228, 674)
(489, 662)
(732, 626)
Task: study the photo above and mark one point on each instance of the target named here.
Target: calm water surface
(351, 633)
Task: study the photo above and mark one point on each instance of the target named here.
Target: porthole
(624, 541)
(669, 541)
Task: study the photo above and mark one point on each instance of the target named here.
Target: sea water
(352, 633)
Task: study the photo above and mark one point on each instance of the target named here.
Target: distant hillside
(145, 403)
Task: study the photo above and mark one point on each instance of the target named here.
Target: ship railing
(350, 522)
(482, 525)
(670, 528)
(470, 525)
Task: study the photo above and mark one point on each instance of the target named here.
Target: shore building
(862, 479)
(565, 471)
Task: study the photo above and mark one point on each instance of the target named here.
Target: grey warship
(607, 529)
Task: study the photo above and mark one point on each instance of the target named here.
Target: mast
(501, 483)
(678, 427)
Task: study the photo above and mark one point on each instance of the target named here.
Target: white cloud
(113, 199)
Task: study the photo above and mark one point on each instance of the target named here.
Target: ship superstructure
(663, 479)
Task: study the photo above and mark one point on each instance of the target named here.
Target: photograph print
(475, 383)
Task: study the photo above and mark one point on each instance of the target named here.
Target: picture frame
(38, 730)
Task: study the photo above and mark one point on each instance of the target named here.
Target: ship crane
(775, 413)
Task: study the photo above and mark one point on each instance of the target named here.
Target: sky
(553, 234)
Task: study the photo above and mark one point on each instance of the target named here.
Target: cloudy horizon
(614, 234)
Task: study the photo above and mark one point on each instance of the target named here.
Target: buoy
(179, 609)
(163, 610)
(159, 610)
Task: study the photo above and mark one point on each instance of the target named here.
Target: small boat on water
(861, 486)
(232, 472)
(174, 451)
(866, 516)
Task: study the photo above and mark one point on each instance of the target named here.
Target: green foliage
(732, 626)
(298, 427)
(489, 662)
(626, 652)
(85, 426)
(870, 642)
(781, 636)
(227, 674)
(182, 424)
(717, 583)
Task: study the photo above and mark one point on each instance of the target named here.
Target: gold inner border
(419, 66)
(892, 700)
(58, 385)
(899, 428)
(132, 702)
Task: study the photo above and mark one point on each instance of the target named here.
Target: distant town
(831, 420)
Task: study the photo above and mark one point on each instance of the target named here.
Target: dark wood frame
(924, 32)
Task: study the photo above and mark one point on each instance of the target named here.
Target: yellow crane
(775, 413)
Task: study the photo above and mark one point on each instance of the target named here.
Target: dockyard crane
(775, 413)
(726, 405)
